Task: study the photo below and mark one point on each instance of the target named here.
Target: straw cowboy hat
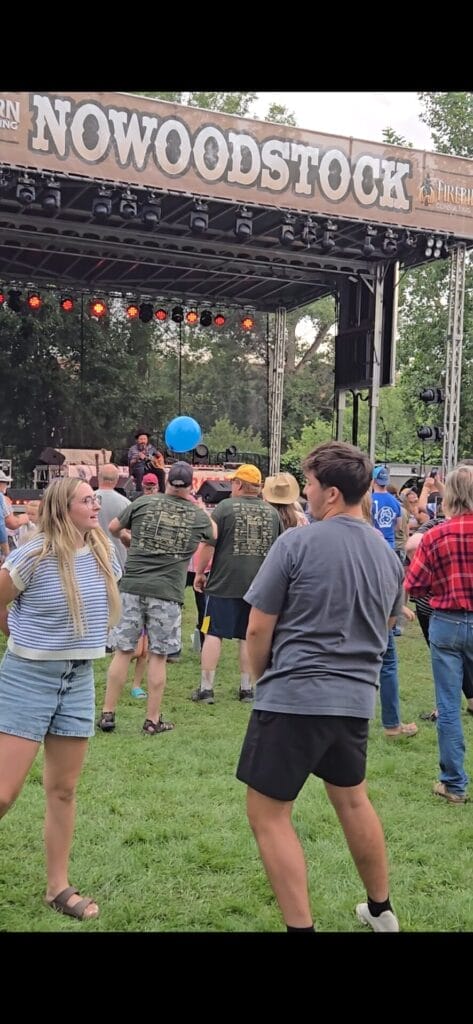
(281, 489)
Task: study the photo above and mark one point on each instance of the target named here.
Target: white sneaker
(386, 922)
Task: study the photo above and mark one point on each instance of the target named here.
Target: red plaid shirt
(443, 565)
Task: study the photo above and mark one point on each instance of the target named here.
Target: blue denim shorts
(40, 697)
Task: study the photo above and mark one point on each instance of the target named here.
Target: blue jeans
(389, 686)
(451, 646)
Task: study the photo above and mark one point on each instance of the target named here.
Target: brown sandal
(60, 904)
(151, 728)
(401, 730)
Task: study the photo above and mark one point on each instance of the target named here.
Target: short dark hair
(336, 464)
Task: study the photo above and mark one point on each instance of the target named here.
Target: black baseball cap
(180, 475)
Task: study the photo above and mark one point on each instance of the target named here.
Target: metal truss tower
(276, 391)
(454, 358)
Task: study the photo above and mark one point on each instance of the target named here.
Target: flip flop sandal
(403, 731)
(60, 904)
(151, 728)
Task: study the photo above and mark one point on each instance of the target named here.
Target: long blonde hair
(60, 540)
(286, 513)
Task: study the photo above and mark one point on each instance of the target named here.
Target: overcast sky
(362, 115)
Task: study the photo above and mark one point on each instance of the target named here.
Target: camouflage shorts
(161, 618)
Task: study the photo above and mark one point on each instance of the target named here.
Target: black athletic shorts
(280, 751)
(226, 617)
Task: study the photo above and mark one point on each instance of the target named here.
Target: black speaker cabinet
(213, 491)
(51, 457)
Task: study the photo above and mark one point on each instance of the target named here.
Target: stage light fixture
(51, 197)
(14, 299)
(206, 318)
(328, 241)
(432, 396)
(390, 242)
(67, 304)
(309, 232)
(128, 208)
(288, 231)
(243, 224)
(177, 314)
(34, 301)
(438, 248)
(430, 433)
(219, 319)
(429, 245)
(146, 312)
(368, 247)
(230, 452)
(248, 322)
(151, 212)
(102, 204)
(25, 190)
(199, 219)
(98, 308)
(132, 311)
(409, 240)
(200, 453)
(161, 314)
(192, 317)
(5, 179)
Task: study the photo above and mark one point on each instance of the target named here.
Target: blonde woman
(63, 587)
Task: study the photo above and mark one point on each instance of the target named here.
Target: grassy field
(162, 840)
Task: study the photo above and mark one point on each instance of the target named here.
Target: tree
(392, 137)
(224, 433)
(280, 115)
(238, 103)
(449, 116)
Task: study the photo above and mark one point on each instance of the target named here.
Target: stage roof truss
(214, 267)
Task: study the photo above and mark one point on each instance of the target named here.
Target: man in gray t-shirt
(317, 633)
(112, 504)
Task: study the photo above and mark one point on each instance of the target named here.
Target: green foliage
(311, 435)
(449, 116)
(280, 114)
(238, 103)
(224, 433)
(392, 137)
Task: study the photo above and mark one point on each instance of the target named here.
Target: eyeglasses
(91, 500)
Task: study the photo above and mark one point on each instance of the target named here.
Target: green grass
(162, 841)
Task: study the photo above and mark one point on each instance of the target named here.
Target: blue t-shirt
(3, 512)
(385, 509)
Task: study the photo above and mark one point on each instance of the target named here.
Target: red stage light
(219, 320)
(34, 301)
(2, 298)
(67, 304)
(248, 323)
(132, 311)
(161, 314)
(192, 317)
(98, 308)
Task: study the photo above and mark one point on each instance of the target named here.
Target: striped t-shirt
(39, 620)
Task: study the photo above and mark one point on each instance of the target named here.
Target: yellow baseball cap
(249, 473)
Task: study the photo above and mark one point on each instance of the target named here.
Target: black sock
(289, 928)
(376, 909)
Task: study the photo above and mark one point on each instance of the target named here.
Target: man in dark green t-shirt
(166, 530)
(247, 526)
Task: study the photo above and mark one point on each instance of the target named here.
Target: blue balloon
(182, 434)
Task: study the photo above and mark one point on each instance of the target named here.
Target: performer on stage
(143, 458)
